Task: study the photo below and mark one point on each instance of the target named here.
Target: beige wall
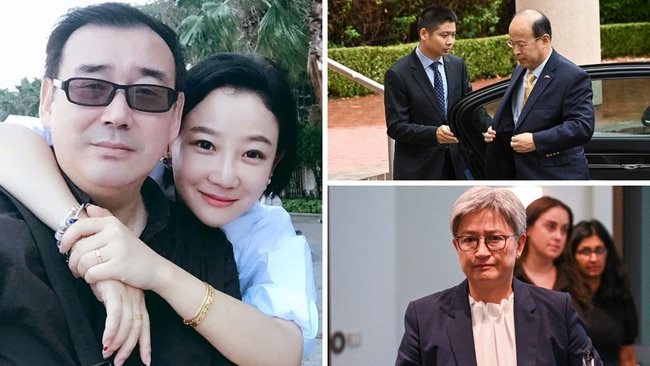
(575, 24)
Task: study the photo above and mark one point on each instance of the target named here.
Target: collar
(157, 206)
(538, 70)
(426, 62)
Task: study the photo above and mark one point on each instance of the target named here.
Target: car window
(620, 104)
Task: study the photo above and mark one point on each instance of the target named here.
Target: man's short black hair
(115, 15)
(434, 16)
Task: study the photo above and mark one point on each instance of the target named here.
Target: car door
(620, 146)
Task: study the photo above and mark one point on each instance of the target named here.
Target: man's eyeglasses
(520, 44)
(469, 243)
(587, 252)
(100, 93)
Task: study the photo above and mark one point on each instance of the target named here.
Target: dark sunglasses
(100, 93)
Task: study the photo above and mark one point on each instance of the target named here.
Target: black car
(620, 146)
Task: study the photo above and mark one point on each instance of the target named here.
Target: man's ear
(424, 34)
(47, 98)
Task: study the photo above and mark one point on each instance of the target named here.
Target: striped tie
(529, 86)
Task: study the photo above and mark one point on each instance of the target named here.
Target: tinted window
(620, 104)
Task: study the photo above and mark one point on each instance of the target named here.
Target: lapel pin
(547, 76)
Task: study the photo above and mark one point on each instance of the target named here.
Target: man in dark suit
(491, 318)
(540, 126)
(419, 90)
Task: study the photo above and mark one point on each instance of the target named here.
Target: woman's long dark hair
(615, 281)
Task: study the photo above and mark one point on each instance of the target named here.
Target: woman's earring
(269, 181)
(167, 160)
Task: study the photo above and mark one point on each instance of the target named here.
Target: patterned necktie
(529, 86)
(438, 87)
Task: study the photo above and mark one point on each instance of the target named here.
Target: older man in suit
(420, 88)
(492, 318)
(546, 114)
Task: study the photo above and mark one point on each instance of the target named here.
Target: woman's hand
(127, 321)
(103, 248)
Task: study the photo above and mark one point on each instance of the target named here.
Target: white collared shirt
(493, 326)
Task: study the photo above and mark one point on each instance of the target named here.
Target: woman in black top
(612, 321)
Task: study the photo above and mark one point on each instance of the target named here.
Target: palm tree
(276, 29)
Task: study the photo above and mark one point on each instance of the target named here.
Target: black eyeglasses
(587, 252)
(469, 243)
(90, 92)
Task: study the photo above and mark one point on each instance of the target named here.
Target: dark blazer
(560, 114)
(548, 330)
(413, 115)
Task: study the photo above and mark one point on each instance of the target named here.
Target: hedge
(490, 58)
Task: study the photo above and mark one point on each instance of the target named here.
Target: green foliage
(214, 29)
(277, 29)
(481, 21)
(23, 101)
(303, 205)
(370, 61)
(485, 57)
(171, 12)
(389, 22)
(310, 151)
(625, 40)
(624, 11)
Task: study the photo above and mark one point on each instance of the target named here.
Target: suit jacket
(559, 113)
(413, 115)
(548, 330)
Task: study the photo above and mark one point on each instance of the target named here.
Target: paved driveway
(312, 227)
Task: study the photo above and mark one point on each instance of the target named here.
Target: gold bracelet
(203, 310)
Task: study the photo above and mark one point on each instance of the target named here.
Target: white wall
(362, 280)
(389, 245)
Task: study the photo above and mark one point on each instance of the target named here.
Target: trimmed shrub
(485, 57)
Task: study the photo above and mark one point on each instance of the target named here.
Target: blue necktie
(438, 86)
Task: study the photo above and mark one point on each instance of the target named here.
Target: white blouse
(493, 326)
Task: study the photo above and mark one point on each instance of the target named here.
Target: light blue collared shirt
(275, 266)
(426, 63)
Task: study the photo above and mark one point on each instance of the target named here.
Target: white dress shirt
(493, 326)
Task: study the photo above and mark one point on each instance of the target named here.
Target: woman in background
(545, 260)
(612, 321)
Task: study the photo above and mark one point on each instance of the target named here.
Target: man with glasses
(491, 318)
(112, 98)
(546, 114)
